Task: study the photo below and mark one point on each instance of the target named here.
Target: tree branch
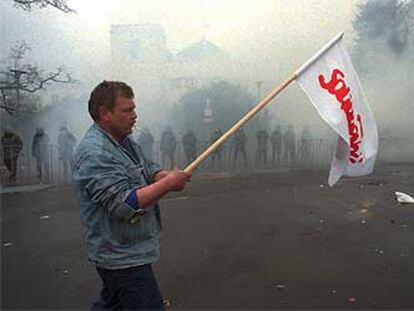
(6, 107)
(61, 5)
(35, 81)
(26, 79)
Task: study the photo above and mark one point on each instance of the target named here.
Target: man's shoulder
(92, 143)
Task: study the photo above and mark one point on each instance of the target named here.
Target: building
(140, 56)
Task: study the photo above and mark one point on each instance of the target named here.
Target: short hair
(105, 94)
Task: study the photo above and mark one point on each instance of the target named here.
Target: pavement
(24, 188)
(264, 240)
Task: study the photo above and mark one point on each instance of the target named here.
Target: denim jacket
(104, 174)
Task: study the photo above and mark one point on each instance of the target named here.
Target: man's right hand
(176, 180)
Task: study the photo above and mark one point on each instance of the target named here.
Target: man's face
(122, 118)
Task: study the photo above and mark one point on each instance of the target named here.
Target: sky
(259, 31)
(271, 37)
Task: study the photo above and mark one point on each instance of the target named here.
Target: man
(305, 145)
(290, 144)
(146, 141)
(216, 155)
(168, 145)
(262, 142)
(231, 145)
(40, 150)
(12, 145)
(66, 143)
(240, 147)
(276, 141)
(190, 146)
(116, 183)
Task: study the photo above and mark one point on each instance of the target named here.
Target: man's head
(7, 131)
(112, 106)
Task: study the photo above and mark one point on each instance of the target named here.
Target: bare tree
(19, 81)
(390, 20)
(28, 5)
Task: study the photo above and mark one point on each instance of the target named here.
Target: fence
(317, 153)
(27, 171)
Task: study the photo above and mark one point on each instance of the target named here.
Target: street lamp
(208, 117)
(208, 112)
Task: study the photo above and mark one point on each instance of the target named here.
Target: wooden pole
(190, 168)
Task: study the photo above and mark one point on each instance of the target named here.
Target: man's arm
(159, 175)
(164, 182)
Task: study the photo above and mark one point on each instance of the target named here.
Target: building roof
(152, 28)
(201, 50)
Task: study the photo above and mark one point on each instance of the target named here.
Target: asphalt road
(270, 240)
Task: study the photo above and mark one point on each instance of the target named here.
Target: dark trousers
(129, 289)
(67, 168)
(42, 165)
(276, 151)
(262, 157)
(170, 157)
(11, 165)
(237, 151)
(190, 156)
(216, 156)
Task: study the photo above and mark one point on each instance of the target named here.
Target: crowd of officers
(12, 146)
(283, 147)
(281, 144)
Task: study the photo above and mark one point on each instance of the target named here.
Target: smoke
(387, 78)
(263, 40)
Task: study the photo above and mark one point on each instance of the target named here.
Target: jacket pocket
(125, 233)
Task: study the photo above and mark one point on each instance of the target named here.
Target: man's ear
(104, 114)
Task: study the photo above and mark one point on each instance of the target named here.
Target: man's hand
(172, 181)
(176, 180)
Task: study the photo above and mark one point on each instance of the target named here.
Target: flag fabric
(334, 89)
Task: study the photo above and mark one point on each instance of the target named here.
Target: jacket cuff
(132, 200)
(129, 206)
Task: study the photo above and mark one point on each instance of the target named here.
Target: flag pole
(190, 168)
(322, 51)
(213, 147)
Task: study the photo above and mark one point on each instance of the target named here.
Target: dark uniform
(146, 141)
(231, 144)
(262, 143)
(240, 147)
(66, 143)
(41, 151)
(290, 146)
(168, 145)
(305, 144)
(216, 155)
(12, 145)
(190, 146)
(276, 141)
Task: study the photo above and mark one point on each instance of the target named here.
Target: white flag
(333, 87)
